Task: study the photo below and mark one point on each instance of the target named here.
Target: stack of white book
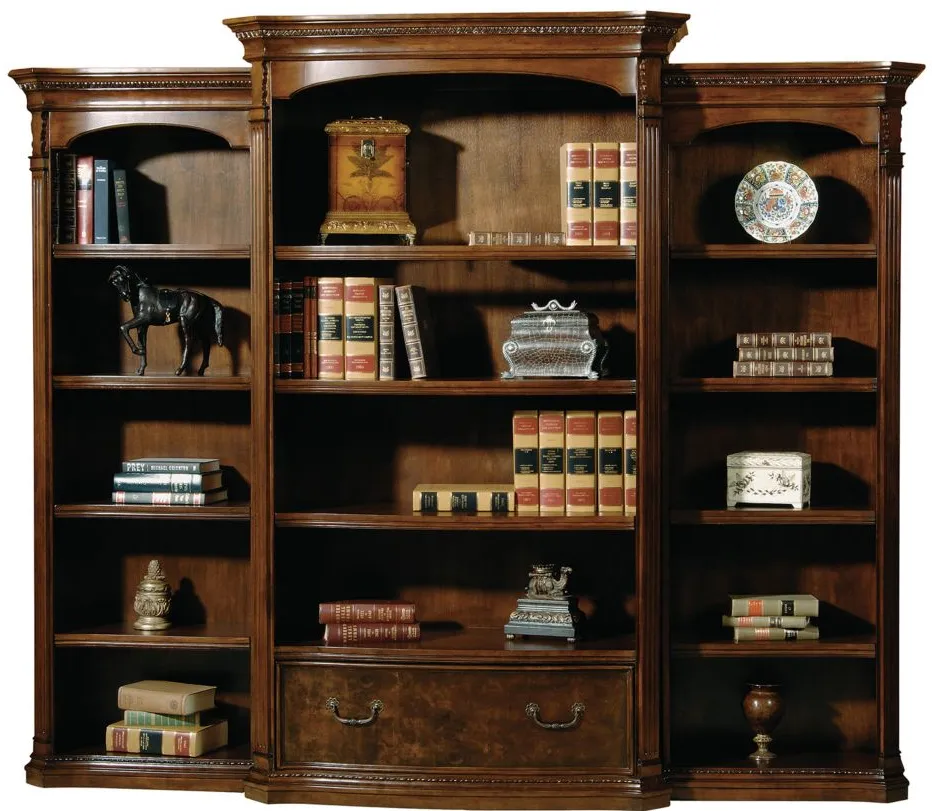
(772, 617)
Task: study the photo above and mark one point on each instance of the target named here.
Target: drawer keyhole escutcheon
(533, 712)
(375, 707)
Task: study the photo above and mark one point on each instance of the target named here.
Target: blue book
(102, 203)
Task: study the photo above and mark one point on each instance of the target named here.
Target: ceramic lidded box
(768, 479)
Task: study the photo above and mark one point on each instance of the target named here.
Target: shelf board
(773, 384)
(854, 647)
(473, 646)
(459, 388)
(151, 251)
(150, 383)
(394, 517)
(123, 635)
(750, 515)
(464, 253)
(761, 250)
(226, 511)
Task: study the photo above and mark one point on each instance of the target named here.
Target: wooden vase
(763, 707)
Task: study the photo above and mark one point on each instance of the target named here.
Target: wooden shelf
(855, 647)
(565, 387)
(150, 383)
(151, 251)
(123, 635)
(462, 253)
(470, 646)
(761, 250)
(227, 511)
(748, 515)
(773, 384)
(393, 517)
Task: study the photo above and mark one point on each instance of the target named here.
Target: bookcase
(320, 472)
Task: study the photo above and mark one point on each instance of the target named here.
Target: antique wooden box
(769, 478)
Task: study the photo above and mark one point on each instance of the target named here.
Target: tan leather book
(628, 180)
(525, 446)
(774, 605)
(171, 697)
(360, 315)
(329, 328)
(552, 438)
(776, 634)
(611, 480)
(606, 193)
(631, 462)
(576, 192)
(166, 740)
(580, 463)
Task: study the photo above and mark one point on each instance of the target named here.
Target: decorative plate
(776, 202)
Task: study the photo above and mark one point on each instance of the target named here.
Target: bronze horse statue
(193, 312)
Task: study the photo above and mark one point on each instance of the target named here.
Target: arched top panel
(222, 128)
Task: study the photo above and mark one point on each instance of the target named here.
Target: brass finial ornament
(368, 165)
(153, 600)
(547, 610)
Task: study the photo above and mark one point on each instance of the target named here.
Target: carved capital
(649, 88)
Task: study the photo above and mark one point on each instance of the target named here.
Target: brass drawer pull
(375, 707)
(533, 712)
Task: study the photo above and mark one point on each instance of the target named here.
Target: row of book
(176, 481)
(773, 617)
(520, 239)
(351, 622)
(598, 186)
(575, 462)
(89, 200)
(334, 328)
(167, 718)
(784, 354)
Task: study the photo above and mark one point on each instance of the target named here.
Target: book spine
(526, 447)
(765, 622)
(102, 170)
(277, 327)
(774, 607)
(576, 192)
(463, 499)
(552, 462)
(68, 206)
(360, 316)
(179, 466)
(580, 463)
(140, 718)
(84, 200)
(480, 237)
(606, 193)
(165, 702)
(776, 634)
(386, 332)
(631, 462)
(611, 479)
(56, 197)
(764, 368)
(121, 204)
(159, 498)
(159, 482)
(356, 632)
(285, 325)
(330, 328)
(784, 339)
(310, 328)
(342, 612)
(629, 193)
(820, 354)
(175, 742)
(416, 330)
(298, 314)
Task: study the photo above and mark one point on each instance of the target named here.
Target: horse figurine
(194, 313)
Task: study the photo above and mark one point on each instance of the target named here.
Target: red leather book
(355, 633)
(84, 200)
(366, 611)
(310, 328)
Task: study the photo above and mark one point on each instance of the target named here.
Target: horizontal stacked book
(349, 622)
(89, 201)
(598, 188)
(772, 617)
(575, 462)
(167, 718)
(336, 328)
(169, 482)
(784, 354)
(517, 238)
(464, 498)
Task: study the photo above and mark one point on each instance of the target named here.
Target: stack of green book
(772, 617)
(169, 482)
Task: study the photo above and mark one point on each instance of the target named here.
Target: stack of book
(349, 622)
(598, 187)
(784, 354)
(166, 718)
(335, 328)
(517, 238)
(464, 498)
(773, 617)
(169, 482)
(89, 204)
(575, 462)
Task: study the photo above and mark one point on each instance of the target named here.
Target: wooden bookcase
(320, 472)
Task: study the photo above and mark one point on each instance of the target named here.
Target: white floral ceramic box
(769, 479)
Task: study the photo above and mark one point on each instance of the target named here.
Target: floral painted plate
(776, 202)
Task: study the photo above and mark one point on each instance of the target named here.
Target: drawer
(448, 717)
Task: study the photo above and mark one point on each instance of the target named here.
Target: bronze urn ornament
(153, 600)
(763, 707)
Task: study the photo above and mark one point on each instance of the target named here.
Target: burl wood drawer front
(448, 717)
